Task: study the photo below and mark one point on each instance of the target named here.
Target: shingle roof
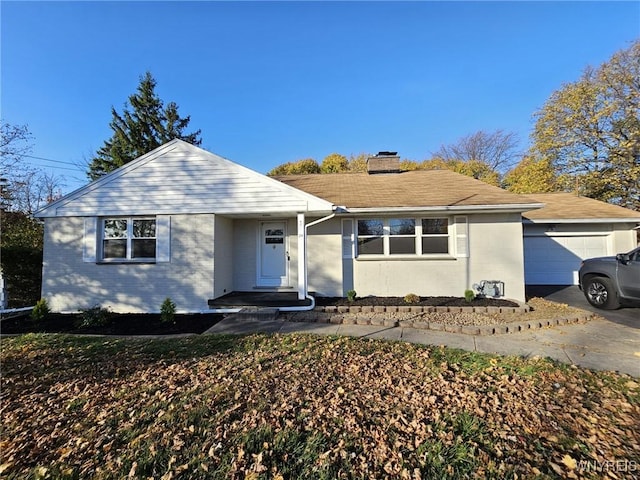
(420, 188)
(566, 206)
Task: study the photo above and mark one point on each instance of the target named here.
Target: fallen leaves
(569, 462)
(302, 407)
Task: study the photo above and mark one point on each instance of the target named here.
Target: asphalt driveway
(571, 295)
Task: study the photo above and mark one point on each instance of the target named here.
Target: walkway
(598, 344)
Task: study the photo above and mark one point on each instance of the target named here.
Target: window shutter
(163, 238)
(89, 239)
(347, 238)
(461, 236)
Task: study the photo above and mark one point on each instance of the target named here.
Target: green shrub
(167, 311)
(411, 298)
(469, 295)
(21, 257)
(40, 310)
(351, 295)
(94, 317)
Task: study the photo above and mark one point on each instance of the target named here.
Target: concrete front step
(249, 320)
(257, 314)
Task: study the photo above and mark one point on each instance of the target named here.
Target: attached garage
(569, 229)
(555, 260)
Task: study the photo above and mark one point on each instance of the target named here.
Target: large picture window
(403, 236)
(128, 239)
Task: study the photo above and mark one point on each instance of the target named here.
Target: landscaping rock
(471, 320)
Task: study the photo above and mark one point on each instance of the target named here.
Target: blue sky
(271, 82)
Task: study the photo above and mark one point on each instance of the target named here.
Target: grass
(301, 406)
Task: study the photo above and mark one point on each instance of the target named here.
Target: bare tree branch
(499, 149)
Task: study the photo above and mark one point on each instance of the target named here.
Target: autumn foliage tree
(590, 131)
(300, 167)
(358, 163)
(334, 163)
(531, 176)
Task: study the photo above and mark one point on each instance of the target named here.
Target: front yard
(299, 406)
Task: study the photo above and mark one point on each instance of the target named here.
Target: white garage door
(556, 260)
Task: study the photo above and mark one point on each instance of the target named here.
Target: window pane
(144, 248)
(402, 226)
(370, 246)
(274, 232)
(434, 225)
(144, 228)
(273, 240)
(115, 229)
(435, 244)
(114, 248)
(402, 245)
(370, 227)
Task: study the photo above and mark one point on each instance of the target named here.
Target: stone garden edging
(352, 315)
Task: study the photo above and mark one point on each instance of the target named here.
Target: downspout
(306, 270)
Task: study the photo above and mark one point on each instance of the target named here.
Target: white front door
(273, 263)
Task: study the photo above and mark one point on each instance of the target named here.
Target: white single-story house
(184, 223)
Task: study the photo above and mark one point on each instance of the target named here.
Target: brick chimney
(384, 162)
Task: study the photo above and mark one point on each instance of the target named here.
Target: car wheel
(600, 293)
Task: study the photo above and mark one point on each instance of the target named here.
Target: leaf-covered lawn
(299, 406)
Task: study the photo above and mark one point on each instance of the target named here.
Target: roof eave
(502, 208)
(581, 220)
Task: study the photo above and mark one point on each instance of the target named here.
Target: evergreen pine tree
(148, 125)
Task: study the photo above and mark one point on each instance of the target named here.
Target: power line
(51, 160)
(62, 168)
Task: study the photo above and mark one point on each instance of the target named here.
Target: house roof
(420, 189)
(567, 206)
(178, 177)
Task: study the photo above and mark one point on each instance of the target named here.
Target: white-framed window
(128, 239)
(371, 236)
(435, 235)
(403, 236)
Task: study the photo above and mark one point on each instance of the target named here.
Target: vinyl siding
(180, 178)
